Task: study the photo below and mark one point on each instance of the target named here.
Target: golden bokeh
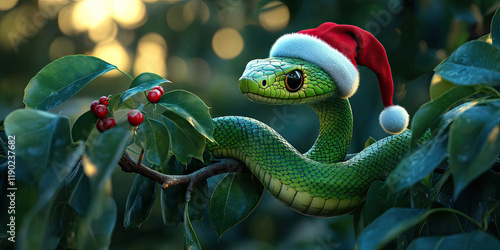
(180, 16)
(177, 69)
(113, 52)
(105, 31)
(7, 4)
(274, 16)
(151, 55)
(129, 14)
(61, 46)
(227, 43)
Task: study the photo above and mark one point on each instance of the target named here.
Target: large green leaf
(233, 199)
(61, 79)
(475, 62)
(430, 112)
(472, 240)
(439, 86)
(83, 126)
(42, 141)
(140, 202)
(45, 214)
(381, 198)
(187, 142)
(97, 227)
(157, 140)
(142, 83)
(495, 28)
(191, 108)
(390, 224)
(190, 238)
(104, 154)
(419, 163)
(474, 144)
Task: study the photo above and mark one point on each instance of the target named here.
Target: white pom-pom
(394, 119)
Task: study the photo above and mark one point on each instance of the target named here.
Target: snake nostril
(264, 83)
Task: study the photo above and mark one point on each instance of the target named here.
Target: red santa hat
(338, 49)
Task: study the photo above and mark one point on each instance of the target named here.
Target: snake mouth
(274, 101)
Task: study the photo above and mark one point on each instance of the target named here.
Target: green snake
(319, 182)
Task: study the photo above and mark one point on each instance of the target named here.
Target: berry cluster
(100, 109)
(155, 94)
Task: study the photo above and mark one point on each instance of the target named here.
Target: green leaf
(475, 62)
(42, 141)
(140, 202)
(191, 108)
(474, 144)
(233, 199)
(418, 163)
(190, 238)
(381, 198)
(439, 86)
(390, 224)
(442, 223)
(97, 226)
(472, 240)
(186, 141)
(113, 103)
(430, 112)
(61, 79)
(157, 140)
(104, 154)
(142, 83)
(46, 212)
(369, 142)
(495, 28)
(83, 126)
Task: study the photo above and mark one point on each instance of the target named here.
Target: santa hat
(338, 49)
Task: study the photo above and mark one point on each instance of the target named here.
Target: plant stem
(222, 166)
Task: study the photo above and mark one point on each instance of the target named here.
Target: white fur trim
(315, 50)
(394, 119)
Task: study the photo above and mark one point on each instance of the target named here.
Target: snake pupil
(294, 80)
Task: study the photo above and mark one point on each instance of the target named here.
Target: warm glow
(177, 69)
(61, 46)
(179, 16)
(7, 4)
(114, 53)
(227, 43)
(105, 31)
(274, 16)
(89, 168)
(129, 14)
(151, 55)
(89, 14)
(436, 78)
(175, 18)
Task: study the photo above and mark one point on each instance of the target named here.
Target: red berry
(92, 106)
(100, 111)
(135, 117)
(104, 100)
(159, 88)
(109, 123)
(100, 126)
(154, 96)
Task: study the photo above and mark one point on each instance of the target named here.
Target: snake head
(280, 80)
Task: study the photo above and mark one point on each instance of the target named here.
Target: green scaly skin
(316, 183)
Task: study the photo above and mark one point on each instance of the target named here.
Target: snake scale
(319, 182)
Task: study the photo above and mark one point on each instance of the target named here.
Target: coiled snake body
(318, 182)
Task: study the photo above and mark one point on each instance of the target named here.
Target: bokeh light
(113, 52)
(151, 55)
(179, 16)
(61, 46)
(177, 69)
(274, 16)
(7, 4)
(227, 43)
(129, 14)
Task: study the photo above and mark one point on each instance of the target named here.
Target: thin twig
(222, 166)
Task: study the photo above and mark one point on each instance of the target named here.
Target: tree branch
(222, 166)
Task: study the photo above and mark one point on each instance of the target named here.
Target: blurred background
(203, 47)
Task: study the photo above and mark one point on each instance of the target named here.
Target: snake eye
(294, 80)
